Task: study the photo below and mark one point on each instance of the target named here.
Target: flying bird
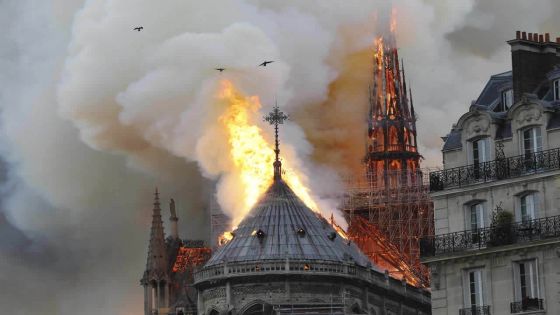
(265, 63)
(220, 69)
(138, 28)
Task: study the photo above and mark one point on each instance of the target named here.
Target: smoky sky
(94, 116)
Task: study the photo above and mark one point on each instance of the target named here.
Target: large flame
(250, 153)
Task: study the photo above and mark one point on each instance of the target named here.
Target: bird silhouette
(138, 28)
(220, 69)
(265, 63)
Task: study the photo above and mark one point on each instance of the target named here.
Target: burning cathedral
(285, 258)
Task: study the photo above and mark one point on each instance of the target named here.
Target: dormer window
(556, 88)
(507, 100)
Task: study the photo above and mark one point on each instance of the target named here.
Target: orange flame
(251, 154)
(225, 237)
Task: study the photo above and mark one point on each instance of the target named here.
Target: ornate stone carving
(477, 125)
(214, 293)
(528, 114)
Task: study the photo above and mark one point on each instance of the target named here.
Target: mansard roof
(281, 226)
(492, 91)
(489, 99)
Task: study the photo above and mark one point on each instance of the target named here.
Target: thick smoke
(95, 115)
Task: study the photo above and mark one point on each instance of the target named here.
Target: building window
(474, 295)
(507, 100)
(556, 88)
(528, 207)
(526, 280)
(476, 216)
(481, 150)
(532, 141)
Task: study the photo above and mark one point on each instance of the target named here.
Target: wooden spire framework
(390, 200)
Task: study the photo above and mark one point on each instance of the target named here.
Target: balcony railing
(526, 305)
(510, 167)
(475, 310)
(518, 232)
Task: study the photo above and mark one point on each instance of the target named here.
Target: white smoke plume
(94, 115)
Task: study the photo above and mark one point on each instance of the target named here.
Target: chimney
(173, 220)
(531, 60)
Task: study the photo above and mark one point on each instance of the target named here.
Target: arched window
(356, 309)
(259, 309)
(531, 140)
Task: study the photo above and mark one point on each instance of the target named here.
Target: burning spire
(276, 117)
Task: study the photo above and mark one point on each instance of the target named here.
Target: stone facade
(285, 259)
(496, 202)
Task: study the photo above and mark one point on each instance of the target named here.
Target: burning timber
(283, 258)
(388, 206)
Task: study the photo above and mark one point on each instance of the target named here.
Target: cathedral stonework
(283, 258)
(283, 270)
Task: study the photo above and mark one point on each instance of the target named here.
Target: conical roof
(281, 226)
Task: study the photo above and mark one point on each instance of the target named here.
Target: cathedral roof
(281, 226)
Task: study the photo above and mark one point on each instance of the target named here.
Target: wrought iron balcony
(518, 232)
(526, 305)
(504, 168)
(475, 310)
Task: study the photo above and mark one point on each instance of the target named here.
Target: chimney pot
(517, 34)
(558, 40)
(530, 37)
(547, 37)
(541, 38)
(536, 37)
(524, 35)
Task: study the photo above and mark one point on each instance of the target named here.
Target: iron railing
(510, 167)
(475, 310)
(527, 304)
(518, 232)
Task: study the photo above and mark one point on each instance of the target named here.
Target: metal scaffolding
(387, 221)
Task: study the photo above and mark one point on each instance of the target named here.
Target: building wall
(452, 210)
(451, 206)
(239, 297)
(498, 280)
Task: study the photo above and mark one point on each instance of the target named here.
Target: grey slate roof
(280, 214)
(491, 91)
(453, 141)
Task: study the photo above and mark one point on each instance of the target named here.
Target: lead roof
(280, 214)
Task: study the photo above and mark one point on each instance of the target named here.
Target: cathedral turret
(173, 220)
(156, 279)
